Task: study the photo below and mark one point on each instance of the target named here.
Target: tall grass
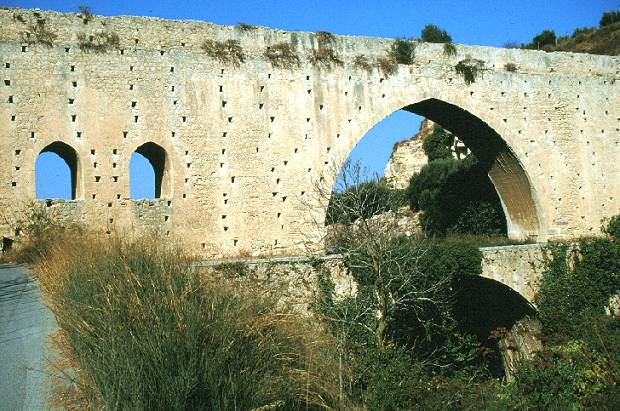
(150, 333)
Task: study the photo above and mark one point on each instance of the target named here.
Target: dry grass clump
(387, 66)
(98, 42)
(511, 67)
(147, 331)
(325, 37)
(361, 62)
(38, 33)
(37, 228)
(229, 51)
(325, 56)
(245, 27)
(282, 55)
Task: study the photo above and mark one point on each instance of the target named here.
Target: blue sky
(489, 23)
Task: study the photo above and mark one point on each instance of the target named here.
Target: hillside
(604, 39)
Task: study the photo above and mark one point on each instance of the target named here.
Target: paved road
(24, 326)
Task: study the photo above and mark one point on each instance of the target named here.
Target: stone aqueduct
(237, 148)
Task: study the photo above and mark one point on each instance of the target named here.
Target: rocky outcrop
(408, 157)
(520, 343)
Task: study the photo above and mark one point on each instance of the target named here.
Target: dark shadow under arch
(504, 168)
(482, 305)
(156, 155)
(69, 155)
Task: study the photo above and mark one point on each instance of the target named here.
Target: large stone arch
(490, 141)
(70, 156)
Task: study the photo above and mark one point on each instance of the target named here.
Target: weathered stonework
(408, 157)
(520, 267)
(244, 144)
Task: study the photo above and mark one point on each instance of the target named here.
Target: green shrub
(456, 196)
(544, 38)
(282, 55)
(449, 49)
(613, 228)
(510, 67)
(469, 69)
(402, 51)
(325, 38)
(438, 144)
(569, 376)
(433, 34)
(85, 13)
(325, 56)
(38, 230)
(609, 17)
(149, 332)
(577, 281)
(581, 367)
(229, 51)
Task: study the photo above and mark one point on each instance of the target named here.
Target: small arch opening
(57, 173)
(148, 172)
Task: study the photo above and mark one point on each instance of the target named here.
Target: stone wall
(517, 266)
(246, 143)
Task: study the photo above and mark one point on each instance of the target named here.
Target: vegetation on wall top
(433, 34)
(604, 39)
(228, 51)
(469, 68)
(282, 55)
(37, 32)
(98, 42)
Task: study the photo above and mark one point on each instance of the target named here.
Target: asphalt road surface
(25, 324)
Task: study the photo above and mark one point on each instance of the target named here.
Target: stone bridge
(239, 132)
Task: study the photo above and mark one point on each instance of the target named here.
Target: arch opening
(148, 172)
(506, 194)
(504, 168)
(489, 310)
(57, 172)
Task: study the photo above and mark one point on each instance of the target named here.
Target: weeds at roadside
(150, 332)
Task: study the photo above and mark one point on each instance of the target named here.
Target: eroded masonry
(240, 123)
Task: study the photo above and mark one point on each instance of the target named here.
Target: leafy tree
(544, 38)
(437, 145)
(433, 34)
(456, 196)
(609, 17)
